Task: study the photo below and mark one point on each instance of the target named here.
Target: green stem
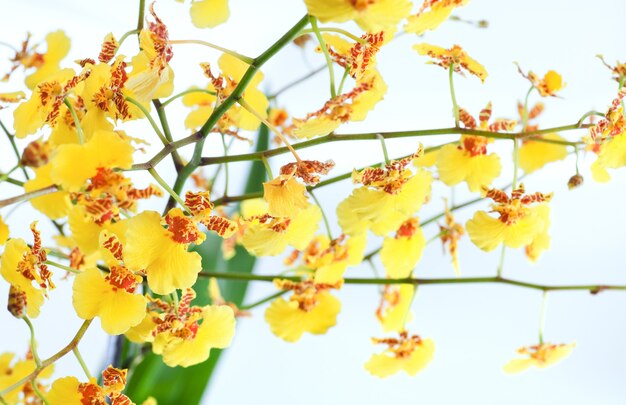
(39, 393)
(326, 223)
(515, 162)
(33, 342)
(335, 30)
(125, 36)
(63, 267)
(169, 190)
(324, 49)
(593, 288)
(501, 262)
(153, 123)
(589, 114)
(79, 357)
(243, 58)
(263, 301)
(346, 73)
(14, 147)
(455, 106)
(28, 196)
(384, 148)
(69, 347)
(268, 168)
(205, 161)
(542, 319)
(178, 161)
(79, 129)
(225, 165)
(184, 93)
(525, 109)
(140, 17)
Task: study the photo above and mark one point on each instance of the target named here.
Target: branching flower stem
(45, 363)
(329, 62)
(243, 58)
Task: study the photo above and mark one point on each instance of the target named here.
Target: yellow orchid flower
(401, 253)
(209, 13)
(311, 308)
(518, 224)
(370, 15)
(431, 15)
(70, 391)
(55, 205)
(540, 356)
(285, 196)
(4, 231)
(410, 354)
(534, 155)
(393, 312)
(454, 56)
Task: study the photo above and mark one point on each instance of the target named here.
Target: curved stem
(324, 49)
(178, 161)
(82, 363)
(79, 129)
(125, 36)
(63, 267)
(14, 147)
(263, 301)
(324, 217)
(384, 148)
(335, 30)
(169, 190)
(70, 346)
(243, 58)
(184, 93)
(33, 342)
(153, 123)
(455, 106)
(29, 196)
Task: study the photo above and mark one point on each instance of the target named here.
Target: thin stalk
(225, 165)
(455, 106)
(324, 48)
(267, 166)
(169, 190)
(542, 319)
(140, 17)
(82, 363)
(593, 288)
(38, 392)
(63, 267)
(384, 148)
(346, 73)
(264, 300)
(79, 129)
(124, 37)
(28, 196)
(275, 130)
(14, 147)
(525, 109)
(45, 363)
(589, 114)
(184, 93)
(153, 123)
(336, 30)
(326, 223)
(243, 58)
(33, 342)
(501, 262)
(178, 161)
(515, 162)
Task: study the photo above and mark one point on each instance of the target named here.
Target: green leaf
(187, 385)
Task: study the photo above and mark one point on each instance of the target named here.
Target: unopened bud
(17, 302)
(575, 181)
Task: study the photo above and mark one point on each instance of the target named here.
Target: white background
(476, 328)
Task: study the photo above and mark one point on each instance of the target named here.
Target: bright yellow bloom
(541, 356)
(401, 253)
(265, 235)
(455, 55)
(468, 162)
(395, 305)
(533, 155)
(518, 224)
(112, 298)
(70, 391)
(541, 241)
(12, 373)
(55, 205)
(47, 64)
(396, 194)
(330, 259)
(370, 15)
(438, 11)
(4, 231)
(186, 334)
(151, 76)
(204, 107)
(21, 265)
(162, 253)
(311, 308)
(86, 230)
(209, 13)
(45, 104)
(285, 196)
(73, 164)
(408, 353)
